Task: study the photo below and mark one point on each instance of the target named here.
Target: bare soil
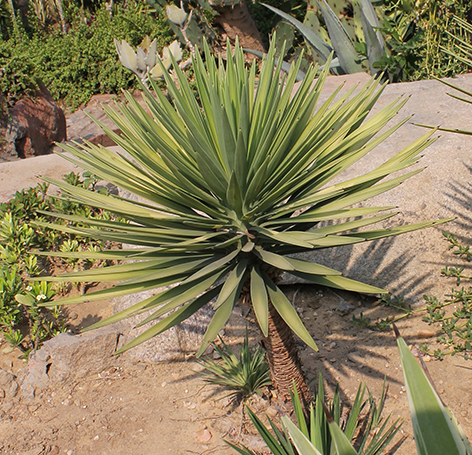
(143, 408)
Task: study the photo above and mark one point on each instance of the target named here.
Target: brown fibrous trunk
(284, 362)
(237, 22)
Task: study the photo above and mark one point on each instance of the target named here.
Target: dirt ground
(141, 408)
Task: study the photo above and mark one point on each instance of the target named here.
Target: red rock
(34, 125)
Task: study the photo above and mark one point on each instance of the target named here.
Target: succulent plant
(146, 61)
(342, 34)
(177, 15)
(187, 21)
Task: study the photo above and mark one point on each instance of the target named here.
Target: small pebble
(216, 355)
(204, 435)
(425, 334)
(197, 367)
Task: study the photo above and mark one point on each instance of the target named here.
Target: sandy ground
(136, 408)
(142, 408)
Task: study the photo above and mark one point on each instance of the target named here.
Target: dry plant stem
(284, 362)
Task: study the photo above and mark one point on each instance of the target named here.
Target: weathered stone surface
(174, 344)
(10, 131)
(411, 264)
(69, 357)
(8, 385)
(80, 127)
(19, 174)
(32, 127)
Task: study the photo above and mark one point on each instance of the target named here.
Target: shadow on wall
(461, 194)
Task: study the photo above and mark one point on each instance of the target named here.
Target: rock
(410, 264)
(344, 306)
(255, 443)
(33, 126)
(69, 357)
(8, 385)
(174, 344)
(35, 451)
(204, 435)
(425, 334)
(11, 130)
(20, 174)
(80, 127)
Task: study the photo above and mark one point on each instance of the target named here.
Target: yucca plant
(436, 430)
(233, 180)
(243, 376)
(372, 435)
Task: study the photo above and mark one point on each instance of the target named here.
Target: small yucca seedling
(436, 430)
(368, 430)
(244, 376)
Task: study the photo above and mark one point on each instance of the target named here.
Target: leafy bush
(17, 76)
(415, 33)
(23, 228)
(83, 62)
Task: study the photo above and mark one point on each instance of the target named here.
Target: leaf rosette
(232, 181)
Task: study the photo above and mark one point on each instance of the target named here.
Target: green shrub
(17, 76)
(415, 33)
(83, 62)
(23, 228)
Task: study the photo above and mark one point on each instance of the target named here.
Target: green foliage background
(83, 62)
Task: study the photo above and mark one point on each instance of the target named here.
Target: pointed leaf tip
(329, 417)
(396, 331)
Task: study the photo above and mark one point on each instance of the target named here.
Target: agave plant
(233, 180)
(436, 430)
(347, 59)
(371, 434)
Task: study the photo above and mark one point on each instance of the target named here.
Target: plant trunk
(284, 362)
(237, 21)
